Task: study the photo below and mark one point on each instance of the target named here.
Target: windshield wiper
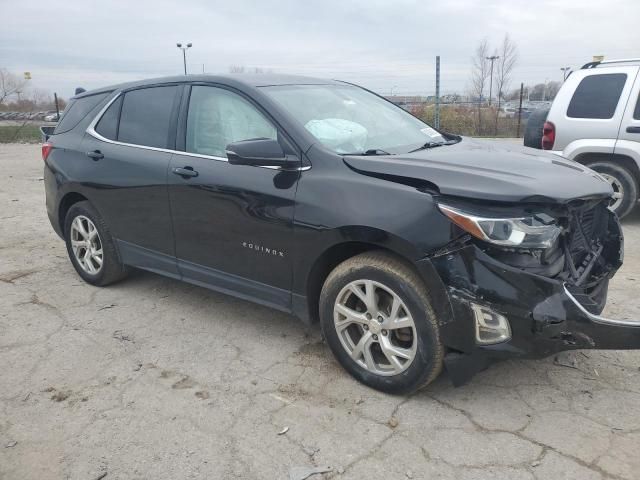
(428, 145)
(371, 151)
(431, 144)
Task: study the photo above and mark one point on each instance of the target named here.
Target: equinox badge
(263, 249)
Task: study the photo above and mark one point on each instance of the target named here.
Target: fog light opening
(491, 327)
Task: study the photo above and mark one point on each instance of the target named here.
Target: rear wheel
(625, 188)
(91, 247)
(379, 323)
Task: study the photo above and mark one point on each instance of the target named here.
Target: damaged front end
(528, 281)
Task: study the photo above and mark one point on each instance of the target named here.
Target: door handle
(186, 172)
(95, 155)
(633, 129)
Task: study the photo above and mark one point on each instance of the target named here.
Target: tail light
(46, 150)
(548, 136)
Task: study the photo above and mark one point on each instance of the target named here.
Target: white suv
(595, 120)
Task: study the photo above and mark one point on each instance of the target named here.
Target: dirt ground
(155, 379)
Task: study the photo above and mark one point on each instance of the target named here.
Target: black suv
(414, 248)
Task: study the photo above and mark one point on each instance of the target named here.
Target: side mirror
(260, 152)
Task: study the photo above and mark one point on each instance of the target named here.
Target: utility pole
(436, 119)
(493, 58)
(564, 72)
(55, 99)
(520, 109)
(184, 54)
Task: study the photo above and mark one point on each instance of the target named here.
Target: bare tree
(537, 91)
(508, 57)
(40, 96)
(10, 85)
(479, 76)
(552, 90)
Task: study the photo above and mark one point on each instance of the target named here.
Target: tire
(622, 180)
(111, 269)
(533, 130)
(388, 277)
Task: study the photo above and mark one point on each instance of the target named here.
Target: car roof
(246, 80)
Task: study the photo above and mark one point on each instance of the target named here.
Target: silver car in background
(595, 120)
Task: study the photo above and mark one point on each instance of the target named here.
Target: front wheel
(379, 323)
(625, 188)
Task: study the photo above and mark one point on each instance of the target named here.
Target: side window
(597, 96)
(146, 116)
(636, 112)
(108, 125)
(218, 117)
(77, 110)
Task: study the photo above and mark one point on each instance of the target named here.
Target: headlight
(532, 231)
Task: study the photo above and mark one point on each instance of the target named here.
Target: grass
(20, 134)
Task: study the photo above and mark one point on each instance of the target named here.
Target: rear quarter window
(108, 124)
(597, 96)
(636, 112)
(77, 110)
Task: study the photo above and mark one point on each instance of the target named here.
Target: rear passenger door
(132, 143)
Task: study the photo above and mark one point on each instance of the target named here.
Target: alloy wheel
(375, 327)
(618, 190)
(86, 245)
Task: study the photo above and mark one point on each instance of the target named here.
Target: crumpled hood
(491, 170)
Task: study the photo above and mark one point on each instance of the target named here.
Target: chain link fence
(473, 120)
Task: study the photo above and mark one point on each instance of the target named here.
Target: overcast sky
(381, 44)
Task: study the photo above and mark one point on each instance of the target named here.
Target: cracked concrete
(152, 378)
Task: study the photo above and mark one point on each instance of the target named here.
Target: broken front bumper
(544, 316)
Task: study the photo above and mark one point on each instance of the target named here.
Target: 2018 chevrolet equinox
(414, 248)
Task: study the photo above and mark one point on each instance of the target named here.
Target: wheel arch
(66, 202)
(334, 255)
(624, 160)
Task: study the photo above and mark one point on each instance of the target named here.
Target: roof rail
(621, 60)
(616, 60)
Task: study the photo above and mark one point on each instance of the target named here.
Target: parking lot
(155, 379)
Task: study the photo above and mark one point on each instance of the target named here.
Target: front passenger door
(629, 138)
(232, 223)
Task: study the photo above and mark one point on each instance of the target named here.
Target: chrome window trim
(91, 130)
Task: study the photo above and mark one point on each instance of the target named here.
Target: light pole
(564, 72)
(184, 54)
(493, 58)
